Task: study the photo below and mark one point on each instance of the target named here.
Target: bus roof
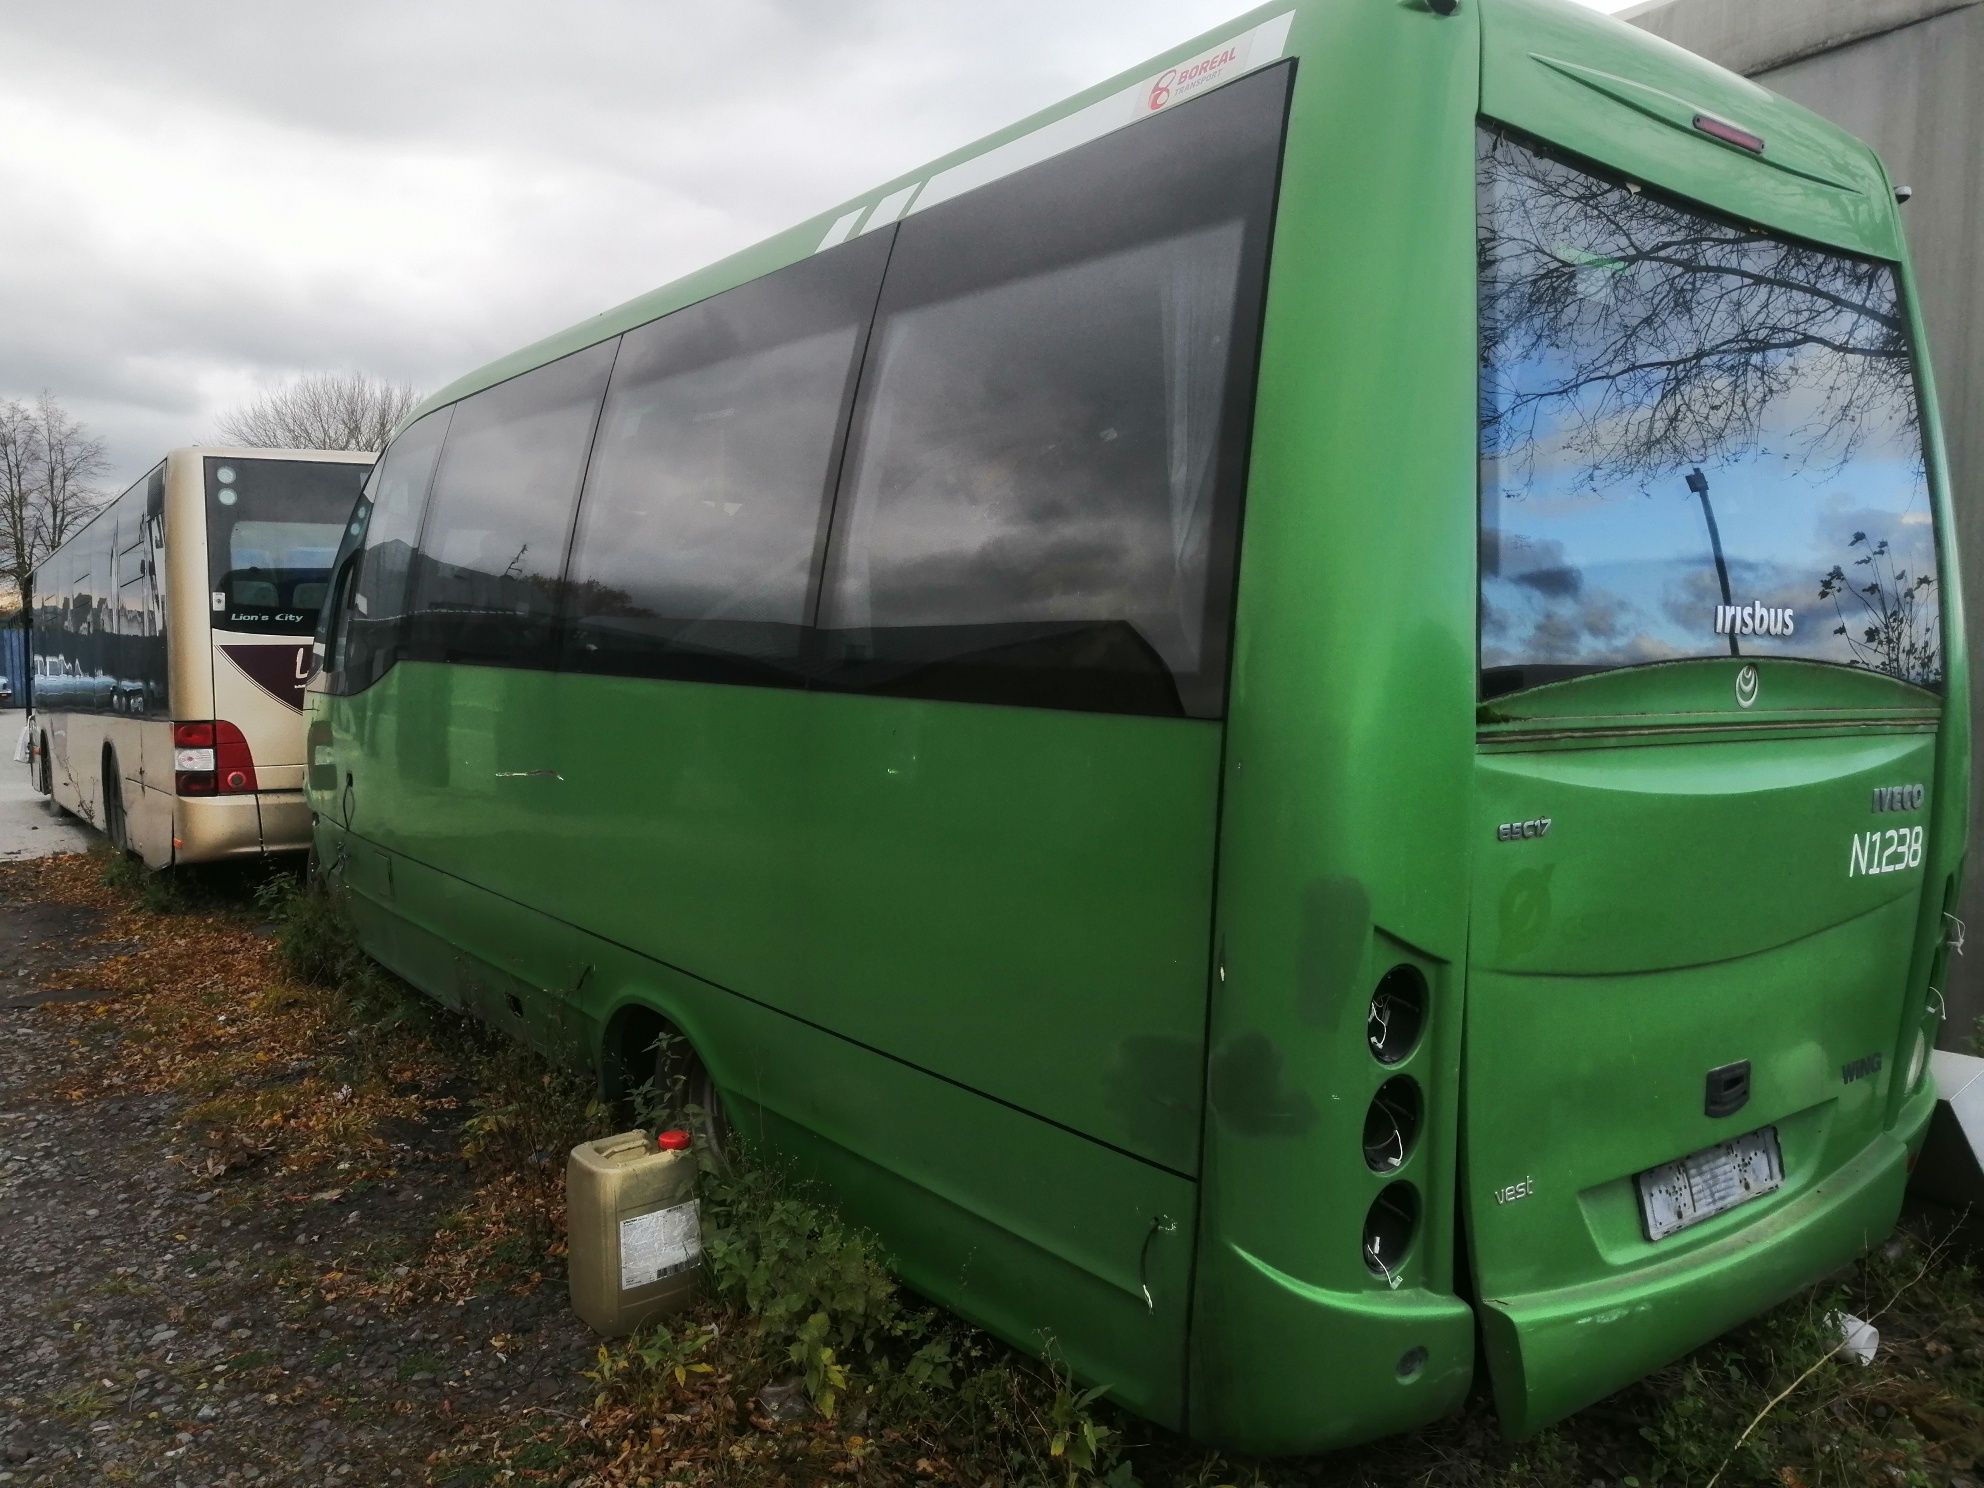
(219, 451)
(1604, 50)
(249, 452)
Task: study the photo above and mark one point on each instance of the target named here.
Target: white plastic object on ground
(1862, 1337)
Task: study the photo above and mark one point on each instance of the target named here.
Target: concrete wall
(1907, 76)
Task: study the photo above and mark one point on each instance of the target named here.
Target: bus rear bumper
(1282, 1367)
(209, 829)
(285, 820)
(1551, 1353)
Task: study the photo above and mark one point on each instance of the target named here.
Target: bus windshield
(1697, 439)
(272, 529)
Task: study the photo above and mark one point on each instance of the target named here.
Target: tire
(46, 785)
(684, 1089)
(113, 805)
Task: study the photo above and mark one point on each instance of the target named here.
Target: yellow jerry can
(635, 1229)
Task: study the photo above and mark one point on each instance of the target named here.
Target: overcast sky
(198, 200)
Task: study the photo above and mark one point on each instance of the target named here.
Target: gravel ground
(158, 1328)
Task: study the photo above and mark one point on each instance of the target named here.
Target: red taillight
(211, 759)
(1729, 133)
(232, 759)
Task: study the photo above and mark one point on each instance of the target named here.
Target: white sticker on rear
(1249, 51)
(659, 1245)
(1176, 84)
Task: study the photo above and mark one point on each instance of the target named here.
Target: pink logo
(1178, 81)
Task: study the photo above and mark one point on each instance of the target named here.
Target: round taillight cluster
(1392, 1124)
(1394, 1028)
(1398, 1015)
(1388, 1229)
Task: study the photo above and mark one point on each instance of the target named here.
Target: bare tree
(322, 410)
(48, 461)
(1896, 621)
(1626, 340)
(71, 458)
(1643, 338)
(18, 471)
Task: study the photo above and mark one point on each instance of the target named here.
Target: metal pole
(1698, 483)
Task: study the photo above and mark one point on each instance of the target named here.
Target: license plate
(1710, 1182)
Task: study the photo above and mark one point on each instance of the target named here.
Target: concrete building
(1907, 76)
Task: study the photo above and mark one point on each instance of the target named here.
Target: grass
(322, 1051)
(84, 1402)
(418, 1364)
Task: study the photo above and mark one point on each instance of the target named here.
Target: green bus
(1302, 723)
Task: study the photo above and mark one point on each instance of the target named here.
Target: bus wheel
(684, 1091)
(113, 804)
(46, 784)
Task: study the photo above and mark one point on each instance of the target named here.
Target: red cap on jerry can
(672, 1141)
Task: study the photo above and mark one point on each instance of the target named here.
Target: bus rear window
(1697, 439)
(273, 527)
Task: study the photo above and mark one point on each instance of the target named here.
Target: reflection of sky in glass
(1043, 449)
(706, 484)
(1626, 342)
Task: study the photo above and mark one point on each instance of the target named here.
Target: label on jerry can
(664, 1243)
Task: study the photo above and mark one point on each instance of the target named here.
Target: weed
(120, 870)
(84, 1402)
(315, 941)
(803, 1274)
(418, 1364)
(898, 1390)
(185, 889)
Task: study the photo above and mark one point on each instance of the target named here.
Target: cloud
(1539, 564)
(203, 200)
(1558, 582)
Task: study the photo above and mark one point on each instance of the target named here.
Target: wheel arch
(636, 1018)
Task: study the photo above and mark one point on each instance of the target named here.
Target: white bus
(171, 644)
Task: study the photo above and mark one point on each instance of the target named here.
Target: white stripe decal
(837, 234)
(1250, 50)
(1243, 54)
(888, 209)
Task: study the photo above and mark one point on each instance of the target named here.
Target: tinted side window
(153, 672)
(99, 546)
(387, 525)
(1043, 493)
(128, 624)
(485, 584)
(706, 500)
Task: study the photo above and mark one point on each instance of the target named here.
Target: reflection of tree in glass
(595, 600)
(1890, 633)
(1643, 338)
